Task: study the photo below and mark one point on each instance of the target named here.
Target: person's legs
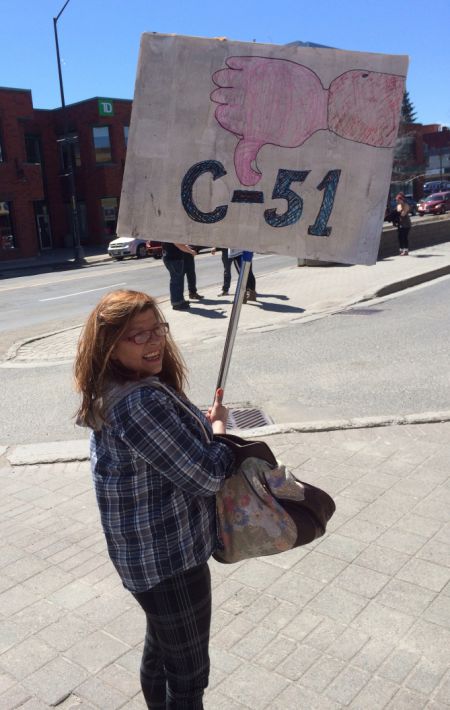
(189, 270)
(250, 289)
(175, 267)
(153, 676)
(226, 261)
(178, 613)
(251, 282)
(403, 233)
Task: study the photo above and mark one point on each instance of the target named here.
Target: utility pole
(77, 248)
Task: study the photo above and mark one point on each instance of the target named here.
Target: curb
(8, 271)
(78, 449)
(411, 281)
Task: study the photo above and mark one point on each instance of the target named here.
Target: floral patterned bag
(263, 509)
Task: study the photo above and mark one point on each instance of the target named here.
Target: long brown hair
(94, 367)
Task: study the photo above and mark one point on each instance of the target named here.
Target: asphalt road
(39, 303)
(384, 358)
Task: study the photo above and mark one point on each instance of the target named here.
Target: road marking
(74, 277)
(80, 293)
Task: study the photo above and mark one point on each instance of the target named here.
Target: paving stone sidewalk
(359, 619)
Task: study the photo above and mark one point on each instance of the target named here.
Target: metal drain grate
(247, 418)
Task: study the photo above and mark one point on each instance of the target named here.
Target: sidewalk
(360, 619)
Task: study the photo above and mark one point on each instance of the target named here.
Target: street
(37, 303)
(390, 357)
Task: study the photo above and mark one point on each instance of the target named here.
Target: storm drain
(247, 418)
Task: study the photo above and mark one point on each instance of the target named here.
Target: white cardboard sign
(269, 148)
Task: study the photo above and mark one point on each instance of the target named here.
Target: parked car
(154, 249)
(437, 203)
(127, 246)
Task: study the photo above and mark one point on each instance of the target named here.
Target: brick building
(35, 212)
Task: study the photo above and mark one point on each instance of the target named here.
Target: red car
(154, 249)
(437, 203)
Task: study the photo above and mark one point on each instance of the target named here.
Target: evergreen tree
(408, 114)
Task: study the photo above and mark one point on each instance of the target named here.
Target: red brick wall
(22, 183)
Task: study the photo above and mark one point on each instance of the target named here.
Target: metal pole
(77, 249)
(246, 261)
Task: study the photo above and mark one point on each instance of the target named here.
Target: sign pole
(246, 261)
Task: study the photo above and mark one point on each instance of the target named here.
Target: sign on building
(105, 107)
(281, 149)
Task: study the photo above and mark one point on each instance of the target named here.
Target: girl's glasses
(145, 336)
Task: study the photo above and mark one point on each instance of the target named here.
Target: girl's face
(145, 359)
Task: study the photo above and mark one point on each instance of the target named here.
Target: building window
(102, 144)
(69, 145)
(33, 149)
(109, 212)
(2, 152)
(125, 134)
(7, 239)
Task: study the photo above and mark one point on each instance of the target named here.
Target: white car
(127, 246)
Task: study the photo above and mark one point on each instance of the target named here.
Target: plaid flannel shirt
(155, 480)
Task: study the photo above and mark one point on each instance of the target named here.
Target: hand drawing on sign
(283, 103)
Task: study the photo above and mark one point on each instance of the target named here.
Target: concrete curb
(411, 281)
(78, 449)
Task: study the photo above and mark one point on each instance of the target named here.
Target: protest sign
(281, 149)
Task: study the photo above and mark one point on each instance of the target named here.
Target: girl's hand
(218, 414)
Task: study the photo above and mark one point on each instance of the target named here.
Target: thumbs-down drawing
(283, 103)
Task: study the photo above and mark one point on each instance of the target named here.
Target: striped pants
(175, 661)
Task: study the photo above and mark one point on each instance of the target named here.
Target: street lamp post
(77, 248)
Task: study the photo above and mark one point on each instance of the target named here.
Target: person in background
(403, 222)
(155, 477)
(226, 261)
(173, 258)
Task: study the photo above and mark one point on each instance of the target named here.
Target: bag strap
(117, 394)
(244, 449)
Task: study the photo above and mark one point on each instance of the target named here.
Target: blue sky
(99, 40)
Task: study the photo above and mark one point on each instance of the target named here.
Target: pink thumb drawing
(283, 103)
(263, 101)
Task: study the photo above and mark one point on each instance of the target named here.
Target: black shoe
(194, 296)
(251, 294)
(183, 306)
(224, 292)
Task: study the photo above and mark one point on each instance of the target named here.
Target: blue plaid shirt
(155, 479)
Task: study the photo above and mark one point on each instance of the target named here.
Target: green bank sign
(105, 107)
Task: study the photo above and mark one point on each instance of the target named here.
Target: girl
(155, 475)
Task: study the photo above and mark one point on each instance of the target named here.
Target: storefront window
(102, 144)
(7, 239)
(109, 210)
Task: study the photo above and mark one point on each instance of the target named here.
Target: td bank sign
(105, 107)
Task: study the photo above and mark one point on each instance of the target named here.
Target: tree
(408, 114)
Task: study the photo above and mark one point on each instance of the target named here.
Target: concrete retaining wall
(425, 231)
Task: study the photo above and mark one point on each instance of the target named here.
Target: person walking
(174, 261)
(155, 477)
(403, 222)
(226, 261)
